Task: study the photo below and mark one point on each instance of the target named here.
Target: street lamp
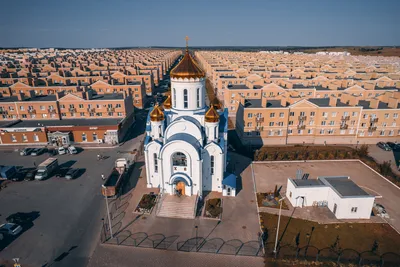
(279, 221)
(108, 213)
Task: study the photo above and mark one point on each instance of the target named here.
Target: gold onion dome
(157, 114)
(187, 68)
(167, 103)
(211, 115)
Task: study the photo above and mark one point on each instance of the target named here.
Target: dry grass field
(355, 51)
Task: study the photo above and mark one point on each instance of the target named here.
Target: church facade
(186, 141)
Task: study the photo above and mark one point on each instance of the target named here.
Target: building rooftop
(324, 102)
(27, 98)
(66, 122)
(108, 97)
(344, 186)
(306, 183)
(237, 86)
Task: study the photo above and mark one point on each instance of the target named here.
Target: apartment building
(277, 98)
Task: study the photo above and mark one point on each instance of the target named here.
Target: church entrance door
(180, 188)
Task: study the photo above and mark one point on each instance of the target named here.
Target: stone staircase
(178, 207)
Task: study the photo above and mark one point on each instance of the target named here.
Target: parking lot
(70, 211)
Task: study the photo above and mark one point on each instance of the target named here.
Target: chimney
(283, 101)
(89, 94)
(21, 96)
(393, 102)
(332, 101)
(374, 103)
(32, 93)
(264, 102)
(59, 95)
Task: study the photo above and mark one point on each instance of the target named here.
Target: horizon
(99, 24)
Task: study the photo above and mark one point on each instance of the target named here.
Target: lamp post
(108, 213)
(279, 221)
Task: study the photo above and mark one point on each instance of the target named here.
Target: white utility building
(340, 194)
(186, 143)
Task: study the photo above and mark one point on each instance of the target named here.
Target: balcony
(301, 127)
(374, 120)
(372, 129)
(344, 127)
(3, 112)
(51, 110)
(302, 118)
(31, 111)
(72, 109)
(259, 128)
(259, 119)
(110, 109)
(345, 118)
(91, 110)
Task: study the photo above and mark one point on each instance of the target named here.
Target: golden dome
(157, 114)
(167, 103)
(211, 115)
(187, 68)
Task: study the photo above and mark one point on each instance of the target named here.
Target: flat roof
(324, 102)
(311, 182)
(108, 96)
(27, 98)
(344, 186)
(237, 86)
(66, 122)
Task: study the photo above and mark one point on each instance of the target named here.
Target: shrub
(385, 168)
(362, 151)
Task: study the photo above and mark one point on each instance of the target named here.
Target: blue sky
(116, 23)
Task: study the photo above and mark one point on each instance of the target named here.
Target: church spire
(187, 44)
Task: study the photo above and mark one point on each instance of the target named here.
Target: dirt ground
(386, 51)
(359, 236)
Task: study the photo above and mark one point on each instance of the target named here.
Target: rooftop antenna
(299, 174)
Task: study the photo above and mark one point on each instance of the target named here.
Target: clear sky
(117, 23)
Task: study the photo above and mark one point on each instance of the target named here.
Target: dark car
(383, 146)
(30, 175)
(38, 151)
(393, 146)
(23, 218)
(72, 173)
(62, 172)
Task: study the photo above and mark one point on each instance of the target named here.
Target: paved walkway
(109, 255)
(381, 155)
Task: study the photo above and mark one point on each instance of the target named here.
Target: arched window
(174, 98)
(155, 162)
(198, 97)
(185, 98)
(179, 159)
(212, 164)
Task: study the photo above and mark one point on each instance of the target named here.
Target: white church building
(186, 142)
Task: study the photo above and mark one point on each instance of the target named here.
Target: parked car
(26, 151)
(72, 150)
(61, 150)
(30, 175)
(383, 146)
(62, 172)
(37, 151)
(393, 146)
(10, 229)
(71, 174)
(23, 218)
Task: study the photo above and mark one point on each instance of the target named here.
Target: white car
(10, 229)
(72, 150)
(61, 150)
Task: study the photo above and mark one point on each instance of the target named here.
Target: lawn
(381, 238)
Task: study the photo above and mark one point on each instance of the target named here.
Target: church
(186, 140)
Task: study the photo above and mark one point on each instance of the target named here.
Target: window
(174, 98)
(334, 114)
(290, 131)
(198, 97)
(249, 124)
(281, 114)
(13, 139)
(386, 115)
(80, 105)
(290, 122)
(324, 114)
(302, 113)
(332, 123)
(382, 133)
(155, 162)
(212, 165)
(323, 123)
(185, 98)
(365, 116)
(280, 123)
(118, 105)
(94, 136)
(24, 138)
(354, 114)
(272, 115)
(271, 123)
(35, 138)
(354, 209)
(84, 138)
(21, 107)
(322, 132)
(42, 108)
(310, 131)
(291, 113)
(179, 159)
(395, 115)
(342, 131)
(312, 114)
(391, 133)
(250, 115)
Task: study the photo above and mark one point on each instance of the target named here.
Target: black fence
(345, 256)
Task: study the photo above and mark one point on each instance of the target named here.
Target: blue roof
(229, 180)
